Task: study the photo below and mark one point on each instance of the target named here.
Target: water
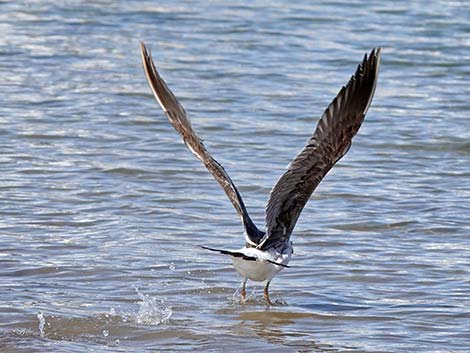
(98, 196)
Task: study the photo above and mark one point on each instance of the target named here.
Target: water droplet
(42, 322)
(172, 266)
(105, 333)
(151, 310)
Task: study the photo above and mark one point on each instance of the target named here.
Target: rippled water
(101, 206)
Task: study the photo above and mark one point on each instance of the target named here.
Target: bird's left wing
(177, 117)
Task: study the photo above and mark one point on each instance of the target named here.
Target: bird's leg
(243, 292)
(266, 293)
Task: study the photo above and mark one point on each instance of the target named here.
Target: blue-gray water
(101, 204)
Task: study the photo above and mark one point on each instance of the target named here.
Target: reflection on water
(98, 196)
(274, 327)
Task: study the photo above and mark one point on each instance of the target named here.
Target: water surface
(101, 205)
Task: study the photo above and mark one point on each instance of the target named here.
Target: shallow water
(101, 206)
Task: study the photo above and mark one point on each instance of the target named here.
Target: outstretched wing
(330, 141)
(177, 117)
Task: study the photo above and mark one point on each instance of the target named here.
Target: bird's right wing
(330, 141)
(177, 117)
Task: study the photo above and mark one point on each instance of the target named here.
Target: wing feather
(329, 143)
(178, 118)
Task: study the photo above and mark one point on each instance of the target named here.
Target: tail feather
(231, 253)
(240, 255)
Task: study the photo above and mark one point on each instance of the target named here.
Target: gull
(268, 252)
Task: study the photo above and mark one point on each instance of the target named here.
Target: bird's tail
(240, 255)
(231, 253)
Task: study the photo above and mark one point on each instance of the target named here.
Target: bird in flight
(268, 251)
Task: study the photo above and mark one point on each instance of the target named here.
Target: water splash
(151, 310)
(42, 323)
(253, 297)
